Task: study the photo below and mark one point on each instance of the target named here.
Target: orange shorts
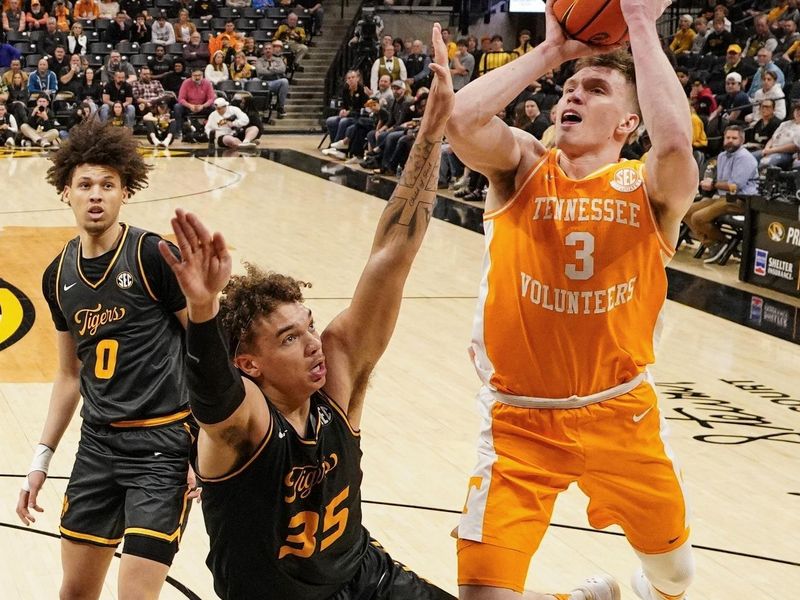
(615, 450)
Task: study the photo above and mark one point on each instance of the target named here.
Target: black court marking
(600, 531)
(170, 580)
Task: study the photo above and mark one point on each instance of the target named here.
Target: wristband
(41, 462)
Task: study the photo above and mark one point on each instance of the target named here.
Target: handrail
(343, 60)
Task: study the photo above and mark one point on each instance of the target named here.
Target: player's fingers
(202, 232)
(22, 508)
(440, 71)
(220, 247)
(168, 256)
(181, 239)
(439, 49)
(190, 230)
(32, 498)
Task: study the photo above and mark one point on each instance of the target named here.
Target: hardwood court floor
(737, 442)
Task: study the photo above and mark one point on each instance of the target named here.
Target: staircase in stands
(305, 105)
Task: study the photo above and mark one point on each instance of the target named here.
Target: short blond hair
(620, 61)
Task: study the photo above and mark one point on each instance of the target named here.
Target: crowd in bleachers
(153, 65)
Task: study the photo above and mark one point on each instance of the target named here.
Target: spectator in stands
(8, 127)
(721, 12)
(787, 36)
(388, 64)
(315, 9)
(783, 144)
(13, 17)
(462, 65)
(8, 54)
(272, 68)
(86, 10)
(737, 173)
(417, 65)
(15, 68)
(765, 63)
(383, 94)
(51, 38)
(58, 60)
(719, 39)
(216, 70)
(701, 35)
(449, 43)
(114, 64)
(36, 17)
(791, 56)
(91, 92)
(293, 37)
(147, 92)
(76, 40)
(353, 98)
(160, 64)
(682, 73)
(400, 49)
(173, 81)
(177, 6)
(524, 43)
(160, 125)
(684, 38)
(230, 127)
(758, 135)
(702, 98)
(699, 138)
(71, 77)
(205, 10)
(770, 89)
(40, 128)
(61, 14)
(43, 80)
(228, 52)
(184, 28)
(18, 96)
(117, 116)
(118, 90)
(108, 9)
(141, 33)
(734, 104)
(162, 32)
(376, 138)
(761, 38)
(195, 53)
(132, 8)
(496, 58)
(118, 30)
(531, 119)
(241, 70)
(250, 50)
(733, 64)
(195, 98)
(233, 38)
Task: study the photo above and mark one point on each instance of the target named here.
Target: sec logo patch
(626, 180)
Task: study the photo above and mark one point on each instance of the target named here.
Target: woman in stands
(217, 70)
(91, 91)
(183, 27)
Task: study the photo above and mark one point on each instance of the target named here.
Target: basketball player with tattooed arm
(119, 315)
(573, 286)
(278, 452)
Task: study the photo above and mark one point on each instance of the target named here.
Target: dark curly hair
(95, 143)
(251, 296)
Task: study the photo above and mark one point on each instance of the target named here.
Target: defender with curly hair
(278, 451)
(119, 314)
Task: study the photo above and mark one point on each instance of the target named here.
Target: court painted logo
(776, 231)
(124, 280)
(760, 262)
(626, 179)
(16, 314)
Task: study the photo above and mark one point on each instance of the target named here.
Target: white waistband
(570, 402)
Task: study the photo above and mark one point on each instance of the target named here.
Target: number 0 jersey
(573, 283)
(286, 525)
(130, 346)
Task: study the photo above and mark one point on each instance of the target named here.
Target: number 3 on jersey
(583, 269)
(333, 526)
(105, 358)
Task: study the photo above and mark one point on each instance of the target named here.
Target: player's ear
(65, 195)
(629, 124)
(247, 365)
(125, 195)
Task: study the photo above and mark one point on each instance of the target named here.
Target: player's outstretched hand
(441, 96)
(568, 48)
(27, 500)
(651, 10)
(204, 268)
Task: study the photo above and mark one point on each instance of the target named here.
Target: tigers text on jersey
(129, 345)
(287, 524)
(573, 283)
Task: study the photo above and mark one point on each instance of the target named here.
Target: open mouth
(318, 370)
(95, 211)
(570, 117)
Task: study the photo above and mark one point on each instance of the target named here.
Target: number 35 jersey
(286, 525)
(130, 345)
(573, 283)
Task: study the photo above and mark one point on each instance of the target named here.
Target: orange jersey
(573, 283)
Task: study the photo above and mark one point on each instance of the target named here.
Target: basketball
(596, 22)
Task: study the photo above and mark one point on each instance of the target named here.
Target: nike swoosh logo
(281, 434)
(70, 286)
(637, 418)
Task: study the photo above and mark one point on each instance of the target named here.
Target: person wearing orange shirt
(86, 10)
(573, 287)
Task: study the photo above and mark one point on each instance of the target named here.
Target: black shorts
(382, 578)
(131, 484)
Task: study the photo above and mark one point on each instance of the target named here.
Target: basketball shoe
(641, 586)
(599, 587)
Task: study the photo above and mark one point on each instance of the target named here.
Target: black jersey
(129, 343)
(287, 524)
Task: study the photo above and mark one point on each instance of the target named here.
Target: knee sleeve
(671, 572)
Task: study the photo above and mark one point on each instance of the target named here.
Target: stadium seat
(217, 24)
(252, 13)
(230, 87)
(246, 24)
(262, 96)
(148, 48)
(175, 49)
(13, 37)
(139, 60)
(32, 60)
(102, 24)
(276, 12)
(26, 48)
(101, 48)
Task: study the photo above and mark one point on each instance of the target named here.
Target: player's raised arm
(671, 171)
(480, 138)
(356, 339)
(224, 404)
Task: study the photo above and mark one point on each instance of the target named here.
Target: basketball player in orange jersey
(572, 290)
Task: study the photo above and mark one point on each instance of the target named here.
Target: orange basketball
(597, 22)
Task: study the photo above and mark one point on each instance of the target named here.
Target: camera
(781, 185)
